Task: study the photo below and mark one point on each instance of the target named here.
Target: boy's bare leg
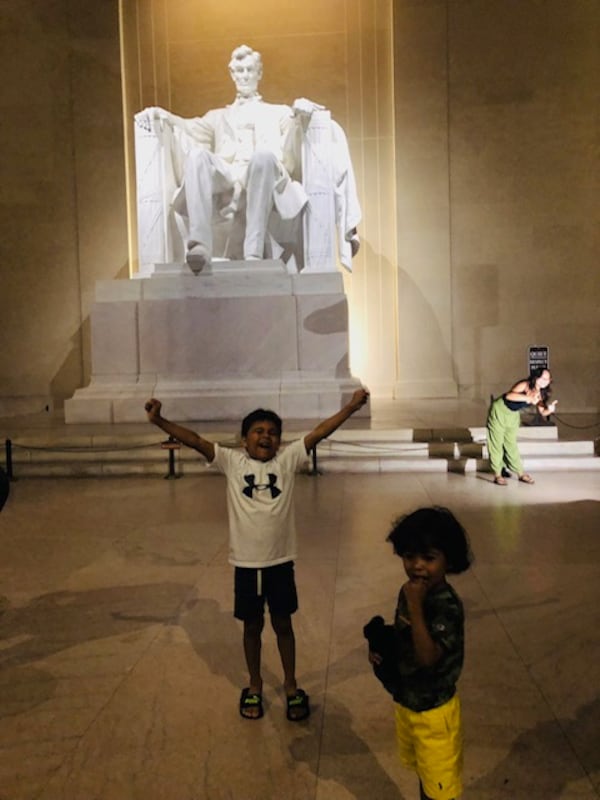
(252, 649)
(286, 643)
(422, 794)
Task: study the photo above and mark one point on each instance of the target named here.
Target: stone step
(451, 457)
(55, 454)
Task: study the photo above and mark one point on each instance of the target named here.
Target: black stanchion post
(171, 445)
(9, 463)
(315, 469)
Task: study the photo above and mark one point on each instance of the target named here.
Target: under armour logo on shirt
(252, 485)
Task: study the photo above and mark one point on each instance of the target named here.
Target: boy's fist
(359, 398)
(153, 408)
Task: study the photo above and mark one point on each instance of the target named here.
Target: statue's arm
(197, 130)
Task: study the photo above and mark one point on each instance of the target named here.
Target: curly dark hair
(546, 391)
(261, 415)
(432, 528)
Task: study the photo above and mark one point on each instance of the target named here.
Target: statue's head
(245, 69)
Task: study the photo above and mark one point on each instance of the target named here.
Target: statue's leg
(264, 171)
(203, 177)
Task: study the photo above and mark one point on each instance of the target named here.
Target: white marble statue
(245, 161)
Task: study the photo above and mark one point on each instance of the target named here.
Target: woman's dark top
(514, 405)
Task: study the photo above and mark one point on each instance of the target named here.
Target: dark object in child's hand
(382, 640)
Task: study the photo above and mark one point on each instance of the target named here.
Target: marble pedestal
(216, 345)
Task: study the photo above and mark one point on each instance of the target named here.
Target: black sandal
(297, 706)
(251, 701)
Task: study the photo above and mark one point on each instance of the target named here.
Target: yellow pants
(430, 743)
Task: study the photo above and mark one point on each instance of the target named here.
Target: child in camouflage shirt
(429, 627)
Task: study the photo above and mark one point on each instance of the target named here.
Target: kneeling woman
(504, 419)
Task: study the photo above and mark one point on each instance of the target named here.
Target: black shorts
(275, 584)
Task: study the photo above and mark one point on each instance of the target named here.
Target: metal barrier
(171, 444)
(315, 469)
(8, 459)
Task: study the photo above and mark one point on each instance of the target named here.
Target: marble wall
(473, 129)
(497, 160)
(62, 192)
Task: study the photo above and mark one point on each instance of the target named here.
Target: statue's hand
(303, 107)
(229, 211)
(145, 118)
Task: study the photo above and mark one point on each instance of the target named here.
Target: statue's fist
(145, 118)
(303, 106)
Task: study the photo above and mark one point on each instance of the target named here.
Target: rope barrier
(170, 445)
(386, 450)
(577, 427)
(92, 449)
(82, 449)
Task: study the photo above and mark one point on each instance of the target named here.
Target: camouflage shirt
(422, 688)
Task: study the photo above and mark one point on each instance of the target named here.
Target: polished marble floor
(121, 663)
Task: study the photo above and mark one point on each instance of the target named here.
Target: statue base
(214, 346)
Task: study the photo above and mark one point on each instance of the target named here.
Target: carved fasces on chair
(159, 239)
(317, 179)
(327, 179)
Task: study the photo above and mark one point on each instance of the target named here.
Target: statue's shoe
(197, 257)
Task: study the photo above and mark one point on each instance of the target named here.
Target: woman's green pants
(502, 429)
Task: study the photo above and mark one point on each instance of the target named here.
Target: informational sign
(539, 357)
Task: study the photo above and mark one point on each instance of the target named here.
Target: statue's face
(246, 74)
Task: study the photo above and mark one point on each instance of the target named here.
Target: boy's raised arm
(328, 426)
(183, 435)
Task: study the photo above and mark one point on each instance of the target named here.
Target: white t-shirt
(260, 504)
